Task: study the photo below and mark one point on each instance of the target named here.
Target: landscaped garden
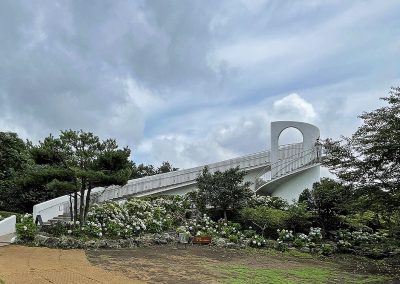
(354, 219)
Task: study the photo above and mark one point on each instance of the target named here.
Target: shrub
(257, 241)
(327, 249)
(267, 201)
(285, 235)
(299, 218)
(315, 234)
(26, 229)
(264, 218)
(301, 240)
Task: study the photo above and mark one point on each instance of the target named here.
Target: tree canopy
(369, 160)
(224, 190)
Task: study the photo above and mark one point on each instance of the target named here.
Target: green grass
(240, 274)
(1, 282)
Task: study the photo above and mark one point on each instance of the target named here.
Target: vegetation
(72, 163)
(369, 162)
(357, 214)
(224, 190)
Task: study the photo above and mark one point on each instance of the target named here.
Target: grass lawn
(238, 274)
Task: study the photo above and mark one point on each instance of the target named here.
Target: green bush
(26, 229)
(327, 249)
(266, 220)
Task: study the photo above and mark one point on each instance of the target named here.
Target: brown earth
(24, 265)
(194, 264)
(167, 264)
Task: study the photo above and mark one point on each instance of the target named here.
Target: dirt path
(19, 264)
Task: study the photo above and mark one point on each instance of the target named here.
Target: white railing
(290, 161)
(179, 178)
(61, 205)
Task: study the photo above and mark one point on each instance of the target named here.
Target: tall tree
(224, 190)
(90, 162)
(369, 160)
(14, 159)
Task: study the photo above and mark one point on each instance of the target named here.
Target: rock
(231, 245)
(305, 249)
(219, 242)
(40, 239)
(90, 245)
(112, 244)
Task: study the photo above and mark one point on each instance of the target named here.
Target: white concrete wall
(51, 208)
(7, 226)
(294, 185)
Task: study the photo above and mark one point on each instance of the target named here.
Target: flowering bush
(315, 235)
(301, 240)
(267, 201)
(26, 229)
(124, 220)
(359, 238)
(257, 241)
(285, 235)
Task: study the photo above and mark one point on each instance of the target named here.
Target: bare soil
(197, 264)
(25, 265)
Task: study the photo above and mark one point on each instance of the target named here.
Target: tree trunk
(225, 217)
(75, 205)
(71, 212)
(87, 205)
(82, 205)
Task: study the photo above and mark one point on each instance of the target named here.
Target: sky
(194, 82)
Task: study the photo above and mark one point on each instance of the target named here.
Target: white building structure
(284, 171)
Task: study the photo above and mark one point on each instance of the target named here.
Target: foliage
(132, 218)
(268, 201)
(148, 170)
(88, 162)
(327, 200)
(14, 159)
(224, 190)
(298, 217)
(265, 218)
(327, 249)
(26, 229)
(285, 235)
(369, 160)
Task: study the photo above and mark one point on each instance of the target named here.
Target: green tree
(369, 160)
(265, 218)
(224, 190)
(328, 200)
(148, 170)
(14, 160)
(89, 162)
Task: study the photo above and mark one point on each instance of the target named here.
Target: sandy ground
(24, 265)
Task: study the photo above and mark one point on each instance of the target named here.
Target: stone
(305, 249)
(219, 242)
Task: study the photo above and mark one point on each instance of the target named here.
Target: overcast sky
(193, 82)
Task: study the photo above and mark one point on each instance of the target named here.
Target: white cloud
(294, 107)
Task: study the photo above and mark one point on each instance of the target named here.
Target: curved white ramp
(283, 171)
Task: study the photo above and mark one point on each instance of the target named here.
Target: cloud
(193, 81)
